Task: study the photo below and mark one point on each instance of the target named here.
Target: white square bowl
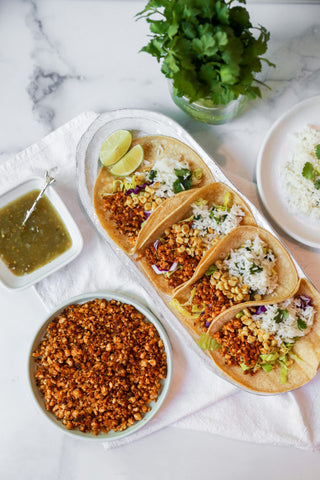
(12, 281)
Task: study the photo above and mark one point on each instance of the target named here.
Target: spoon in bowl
(48, 181)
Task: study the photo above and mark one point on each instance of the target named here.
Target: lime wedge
(129, 163)
(116, 145)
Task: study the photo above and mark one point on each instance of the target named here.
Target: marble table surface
(58, 59)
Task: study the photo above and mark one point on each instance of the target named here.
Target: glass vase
(205, 111)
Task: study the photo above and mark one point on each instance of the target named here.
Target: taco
(124, 205)
(270, 348)
(172, 252)
(248, 265)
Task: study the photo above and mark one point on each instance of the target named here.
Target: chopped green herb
(301, 324)
(182, 172)
(218, 220)
(184, 180)
(255, 269)
(240, 314)
(317, 151)
(152, 175)
(281, 315)
(177, 186)
(311, 173)
(307, 171)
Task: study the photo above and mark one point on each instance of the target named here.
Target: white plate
(12, 281)
(155, 406)
(277, 148)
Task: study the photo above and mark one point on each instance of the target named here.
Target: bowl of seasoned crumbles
(100, 366)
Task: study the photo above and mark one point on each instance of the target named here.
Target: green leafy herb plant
(209, 48)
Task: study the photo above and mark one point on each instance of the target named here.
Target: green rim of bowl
(155, 406)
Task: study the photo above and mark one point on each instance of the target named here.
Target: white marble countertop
(57, 59)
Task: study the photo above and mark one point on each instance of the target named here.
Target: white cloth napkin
(198, 398)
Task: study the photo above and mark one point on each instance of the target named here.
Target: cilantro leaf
(301, 324)
(255, 269)
(217, 219)
(182, 172)
(307, 171)
(177, 186)
(317, 151)
(281, 315)
(310, 173)
(152, 175)
(184, 180)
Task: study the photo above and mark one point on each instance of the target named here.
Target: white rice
(287, 330)
(221, 221)
(256, 265)
(300, 193)
(166, 175)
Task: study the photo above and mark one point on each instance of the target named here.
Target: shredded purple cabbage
(207, 324)
(156, 245)
(137, 189)
(303, 301)
(147, 214)
(159, 272)
(261, 309)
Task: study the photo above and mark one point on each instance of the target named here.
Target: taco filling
(263, 337)
(179, 250)
(134, 198)
(248, 273)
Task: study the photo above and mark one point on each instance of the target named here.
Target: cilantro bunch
(207, 48)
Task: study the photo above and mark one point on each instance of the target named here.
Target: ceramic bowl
(155, 406)
(12, 281)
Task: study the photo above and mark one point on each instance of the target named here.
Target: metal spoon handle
(49, 181)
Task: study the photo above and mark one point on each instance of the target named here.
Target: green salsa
(43, 238)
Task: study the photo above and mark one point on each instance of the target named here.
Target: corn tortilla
(214, 194)
(306, 348)
(286, 270)
(155, 147)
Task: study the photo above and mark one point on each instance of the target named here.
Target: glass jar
(205, 111)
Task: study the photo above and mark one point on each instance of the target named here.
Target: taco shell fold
(307, 349)
(286, 270)
(169, 215)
